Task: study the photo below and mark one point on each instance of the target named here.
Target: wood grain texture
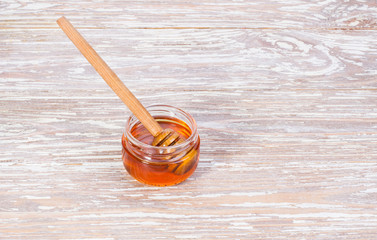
(355, 14)
(292, 88)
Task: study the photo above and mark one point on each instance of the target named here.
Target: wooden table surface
(284, 94)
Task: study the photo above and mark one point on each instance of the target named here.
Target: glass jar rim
(192, 125)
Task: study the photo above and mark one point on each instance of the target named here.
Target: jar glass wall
(161, 166)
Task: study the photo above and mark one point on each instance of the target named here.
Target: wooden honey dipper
(162, 137)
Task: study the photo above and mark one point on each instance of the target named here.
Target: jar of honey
(161, 166)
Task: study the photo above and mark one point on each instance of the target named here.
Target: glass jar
(161, 166)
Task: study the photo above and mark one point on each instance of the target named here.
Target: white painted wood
(284, 95)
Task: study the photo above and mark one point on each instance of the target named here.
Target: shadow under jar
(161, 166)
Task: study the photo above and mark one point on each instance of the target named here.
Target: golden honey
(161, 166)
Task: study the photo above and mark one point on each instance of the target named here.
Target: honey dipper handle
(110, 77)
